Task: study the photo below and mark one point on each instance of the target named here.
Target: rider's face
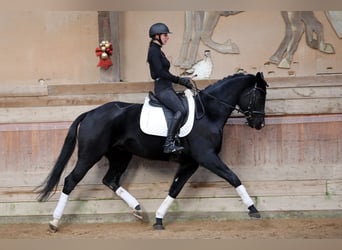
(164, 38)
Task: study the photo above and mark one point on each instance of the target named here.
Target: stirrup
(172, 147)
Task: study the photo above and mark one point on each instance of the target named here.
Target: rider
(163, 79)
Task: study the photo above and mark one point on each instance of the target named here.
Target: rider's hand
(185, 81)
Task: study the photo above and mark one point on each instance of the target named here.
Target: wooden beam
(100, 88)
(215, 189)
(30, 91)
(109, 23)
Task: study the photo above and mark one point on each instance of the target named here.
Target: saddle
(155, 117)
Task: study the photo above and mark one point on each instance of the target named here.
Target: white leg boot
(131, 201)
(58, 213)
(161, 212)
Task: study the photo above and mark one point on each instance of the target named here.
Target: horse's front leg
(297, 28)
(213, 163)
(210, 20)
(183, 174)
(194, 39)
(279, 54)
(183, 54)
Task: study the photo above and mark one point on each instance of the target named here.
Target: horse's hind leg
(314, 33)
(70, 182)
(118, 162)
(183, 174)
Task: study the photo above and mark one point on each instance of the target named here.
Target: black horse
(112, 130)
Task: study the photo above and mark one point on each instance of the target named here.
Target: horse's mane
(226, 80)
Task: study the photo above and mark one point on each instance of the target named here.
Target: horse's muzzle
(257, 123)
(260, 126)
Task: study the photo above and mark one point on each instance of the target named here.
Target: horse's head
(252, 103)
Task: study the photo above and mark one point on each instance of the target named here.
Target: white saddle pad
(153, 122)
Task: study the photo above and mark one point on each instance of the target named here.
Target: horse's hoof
(255, 215)
(327, 48)
(138, 214)
(253, 212)
(52, 228)
(284, 64)
(158, 227)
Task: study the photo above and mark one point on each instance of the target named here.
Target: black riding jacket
(159, 68)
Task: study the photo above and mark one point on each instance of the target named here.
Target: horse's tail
(53, 178)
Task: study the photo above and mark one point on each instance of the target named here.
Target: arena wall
(291, 167)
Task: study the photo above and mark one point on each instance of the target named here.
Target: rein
(197, 91)
(248, 113)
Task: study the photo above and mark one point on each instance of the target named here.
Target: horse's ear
(260, 76)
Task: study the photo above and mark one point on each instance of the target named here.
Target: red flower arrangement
(104, 52)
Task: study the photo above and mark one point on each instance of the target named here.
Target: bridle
(250, 113)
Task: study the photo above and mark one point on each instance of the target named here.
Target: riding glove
(185, 81)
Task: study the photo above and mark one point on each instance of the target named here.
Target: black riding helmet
(158, 28)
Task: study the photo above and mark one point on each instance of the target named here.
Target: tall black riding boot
(170, 143)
